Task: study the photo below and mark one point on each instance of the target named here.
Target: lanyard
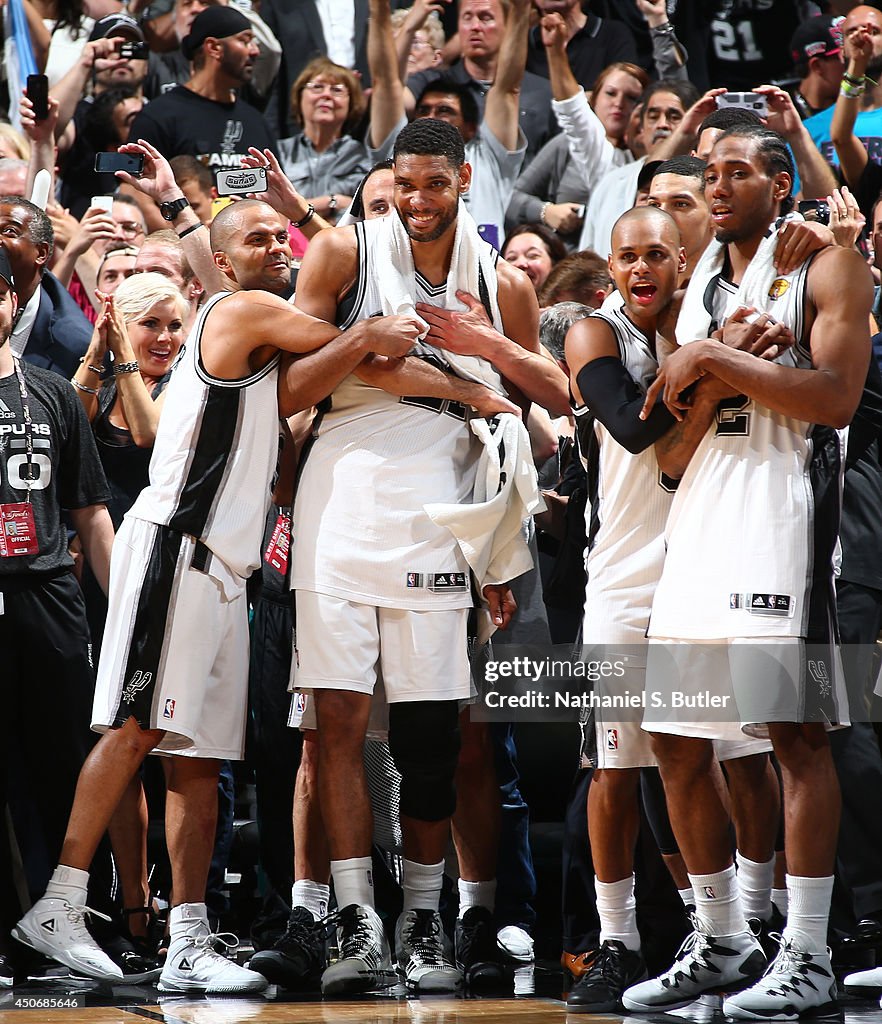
(28, 425)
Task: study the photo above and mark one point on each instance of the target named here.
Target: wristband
(191, 229)
(542, 213)
(121, 368)
(306, 218)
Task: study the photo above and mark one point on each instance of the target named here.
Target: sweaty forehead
(735, 149)
(650, 228)
(420, 164)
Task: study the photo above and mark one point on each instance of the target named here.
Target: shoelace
(474, 942)
(208, 943)
(695, 946)
(788, 959)
(77, 918)
(609, 966)
(423, 939)
(355, 927)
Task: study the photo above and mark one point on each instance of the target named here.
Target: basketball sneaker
(796, 985)
(57, 929)
(419, 946)
(478, 956)
(365, 962)
(298, 957)
(600, 989)
(704, 963)
(194, 965)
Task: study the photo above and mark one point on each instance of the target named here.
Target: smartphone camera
(816, 210)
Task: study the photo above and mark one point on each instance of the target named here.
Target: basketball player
(756, 514)
(173, 670)
(397, 598)
(613, 357)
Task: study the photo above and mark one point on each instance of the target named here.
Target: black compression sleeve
(610, 393)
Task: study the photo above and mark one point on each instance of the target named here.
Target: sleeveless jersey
(753, 526)
(216, 450)
(629, 501)
(360, 532)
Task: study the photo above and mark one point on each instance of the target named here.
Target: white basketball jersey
(628, 507)
(359, 530)
(754, 522)
(216, 450)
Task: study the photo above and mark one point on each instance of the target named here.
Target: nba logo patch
(779, 286)
(300, 702)
(612, 739)
(709, 892)
(169, 711)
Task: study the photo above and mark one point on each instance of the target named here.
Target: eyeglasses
(335, 88)
(129, 228)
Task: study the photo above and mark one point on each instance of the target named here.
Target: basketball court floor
(539, 1001)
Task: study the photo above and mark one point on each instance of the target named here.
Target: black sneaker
(478, 955)
(298, 957)
(600, 989)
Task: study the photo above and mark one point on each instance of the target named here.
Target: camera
(817, 210)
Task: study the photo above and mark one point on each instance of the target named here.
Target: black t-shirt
(598, 43)
(218, 134)
(749, 42)
(70, 473)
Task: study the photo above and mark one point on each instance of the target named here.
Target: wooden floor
(541, 1003)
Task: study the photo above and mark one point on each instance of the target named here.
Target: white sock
(477, 894)
(68, 884)
(781, 901)
(617, 910)
(314, 896)
(718, 903)
(421, 884)
(808, 913)
(687, 896)
(353, 881)
(187, 920)
(755, 884)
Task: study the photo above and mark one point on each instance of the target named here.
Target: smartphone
(104, 203)
(817, 210)
(134, 51)
(238, 181)
(38, 94)
(107, 163)
(747, 100)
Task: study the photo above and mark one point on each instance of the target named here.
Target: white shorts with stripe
(341, 645)
(175, 654)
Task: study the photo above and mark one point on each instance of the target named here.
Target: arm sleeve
(610, 393)
(668, 54)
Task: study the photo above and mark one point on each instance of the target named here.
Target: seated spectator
(553, 188)
(196, 183)
(580, 277)
(51, 330)
(13, 145)
(535, 250)
(419, 40)
(323, 162)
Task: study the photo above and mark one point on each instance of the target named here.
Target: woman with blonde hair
(324, 163)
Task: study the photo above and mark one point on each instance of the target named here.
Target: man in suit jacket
(50, 330)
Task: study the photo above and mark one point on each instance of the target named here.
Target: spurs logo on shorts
(821, 676)
(139, 681)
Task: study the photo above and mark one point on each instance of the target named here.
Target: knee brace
(424, 743)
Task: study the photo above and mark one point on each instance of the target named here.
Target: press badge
(18, 531)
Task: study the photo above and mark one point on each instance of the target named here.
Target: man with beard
(380, 587)
(205, 118)
(745, 589)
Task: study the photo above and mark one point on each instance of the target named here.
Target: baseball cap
(6, 269)
(213, 23)
(116, 25)
(820, 36)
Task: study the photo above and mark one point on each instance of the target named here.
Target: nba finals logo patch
(709, 892)
(779, 286)
(169, 711)
(612, 739)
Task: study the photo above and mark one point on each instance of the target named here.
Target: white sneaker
(515, 943)
(57, 929)
(796, 985)
(864, 979)
(704, 963)
(194, 965)
(419, 947)
(365, 962)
